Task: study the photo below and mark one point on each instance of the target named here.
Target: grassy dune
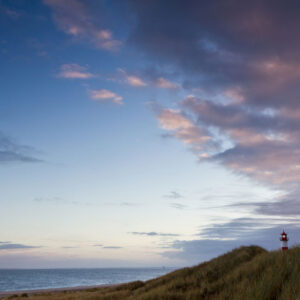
(244, 273)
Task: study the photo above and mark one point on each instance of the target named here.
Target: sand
(53, 290)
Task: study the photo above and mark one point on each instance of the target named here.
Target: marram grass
(244, 273)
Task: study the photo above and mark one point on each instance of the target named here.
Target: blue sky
(146, 133)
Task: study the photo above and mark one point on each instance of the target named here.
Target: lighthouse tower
(284, 241)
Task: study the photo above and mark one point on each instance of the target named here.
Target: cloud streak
(165, 84)
(60, 201)
(107, 247)
(12, 152)
(286, 205)
(13, 14)
(74, 71)
(132, 80)
(178, 206)
(173, 195)
(105, 95)
(144, 80)
(153, 233)
(13, 246)
(74, 18)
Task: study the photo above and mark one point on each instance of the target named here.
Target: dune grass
(244, 273)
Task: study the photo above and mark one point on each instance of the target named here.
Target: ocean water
(14, 280)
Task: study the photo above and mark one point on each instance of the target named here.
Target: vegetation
(244, 273)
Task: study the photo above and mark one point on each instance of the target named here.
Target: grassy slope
(244, 273)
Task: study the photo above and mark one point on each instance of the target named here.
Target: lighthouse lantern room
(284, 241)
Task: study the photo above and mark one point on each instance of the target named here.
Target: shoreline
(54, 290)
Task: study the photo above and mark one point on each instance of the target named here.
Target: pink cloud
(105, 95)
(235, 95)
(165, 84)
(131, 79)
(73, 71)
(141, 81)
(135, 81)
(73, 17)
(247, 140)
(183, 128)
(171, 119)
(275, 74)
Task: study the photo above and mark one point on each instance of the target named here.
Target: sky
(147, 133)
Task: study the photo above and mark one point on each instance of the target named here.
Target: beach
(117, 291)
(3, 295)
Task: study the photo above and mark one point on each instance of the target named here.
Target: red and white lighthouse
(284, 241)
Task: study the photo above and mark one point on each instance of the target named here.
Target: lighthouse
(284, 241)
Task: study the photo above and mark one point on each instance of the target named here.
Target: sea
(27, 279)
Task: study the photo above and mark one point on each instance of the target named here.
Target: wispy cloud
(11, 151)
(165, 84)
(38, 47)
(107, 247)
(153, 233)
(13, 14)
(143, 80)
(173, 195)
(105, 95)
(60, 201)
(13, 246)
(122, 204)
(284, 205)
(75, 19)
(132, 80)
(49, 199)
(183, 128)
(241, 227)
(72, 71)
(129, 204)
(178, 205)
